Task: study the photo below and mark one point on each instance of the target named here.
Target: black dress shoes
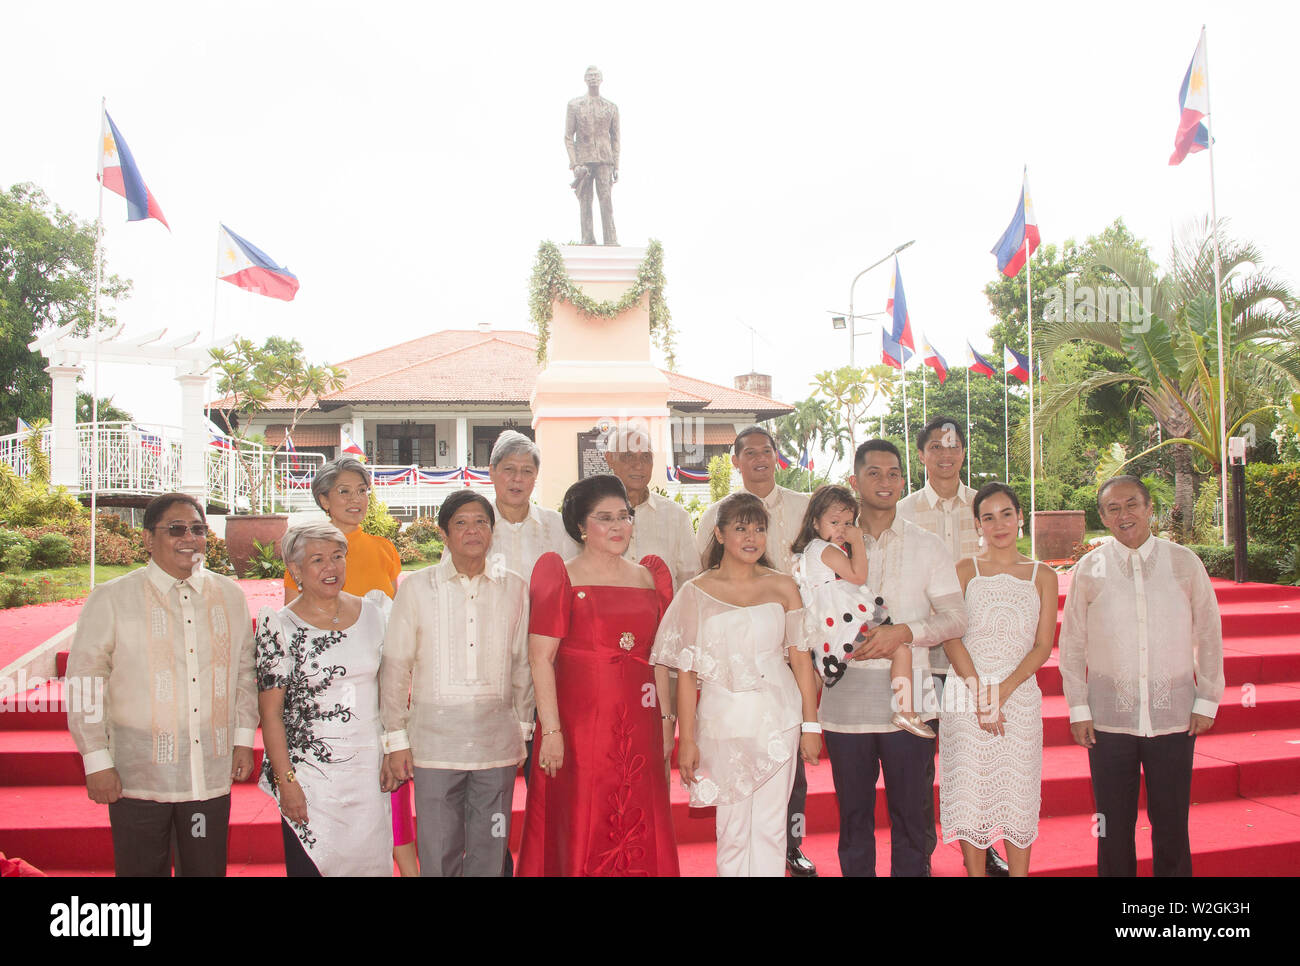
(800, 865)
(994, 864)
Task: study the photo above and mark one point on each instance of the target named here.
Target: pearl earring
(1020, 531)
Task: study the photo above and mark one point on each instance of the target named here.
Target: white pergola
(69, 355)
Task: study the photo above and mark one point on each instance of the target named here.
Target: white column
(194, 436)
(359, 431)
(461, 456)
(65, 466)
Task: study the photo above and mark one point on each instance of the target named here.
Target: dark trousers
(297, 863)
(1166, 760)
(931, 826)
(796, 820)
(145, 831)
(856, 761)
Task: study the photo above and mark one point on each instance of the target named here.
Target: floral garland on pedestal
(551, 282)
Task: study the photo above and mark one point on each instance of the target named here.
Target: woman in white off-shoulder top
(736, 633)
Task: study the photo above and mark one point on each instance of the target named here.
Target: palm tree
(1164, 326)
(853, 391)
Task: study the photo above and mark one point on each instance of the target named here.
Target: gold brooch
(627, 641)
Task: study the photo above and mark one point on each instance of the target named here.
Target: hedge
(1273, 503)
(1264, 562)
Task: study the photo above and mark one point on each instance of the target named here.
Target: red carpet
(1245, 817)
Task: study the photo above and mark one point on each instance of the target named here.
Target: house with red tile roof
(441, 401)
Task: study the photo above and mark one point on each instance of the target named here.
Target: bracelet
(555, 732)
(668, 717)
(810, 728)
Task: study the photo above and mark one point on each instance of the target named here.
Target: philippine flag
(930, 356)
(247, 266)
(1021, 237)
(23, 426)
(896, 306)
(805, 462)
(1017, 365)
(1194, 102)
(891, 353)
(118, 173)
(977, 363)
(350, 446)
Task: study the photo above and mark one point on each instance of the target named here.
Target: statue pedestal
(599, 375)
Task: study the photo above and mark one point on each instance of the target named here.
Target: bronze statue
(591, 138)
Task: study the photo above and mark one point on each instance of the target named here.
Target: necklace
(334, 619)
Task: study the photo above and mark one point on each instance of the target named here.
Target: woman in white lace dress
(991, 723)
(729, 632)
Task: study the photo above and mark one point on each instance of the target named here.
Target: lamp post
(851, 316)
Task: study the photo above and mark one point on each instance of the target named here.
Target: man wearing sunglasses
(161, 668)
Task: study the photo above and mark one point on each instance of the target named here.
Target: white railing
(140, 459)
(133, 458)
(13, 450)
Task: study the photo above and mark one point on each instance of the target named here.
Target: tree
(1165, 329)
(47, 279)
(851, 392)
(985, 436)
(107, 411)
(256, 379)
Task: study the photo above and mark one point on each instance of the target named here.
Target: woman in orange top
(342, 490)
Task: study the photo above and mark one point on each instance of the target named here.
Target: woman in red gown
(598, 793)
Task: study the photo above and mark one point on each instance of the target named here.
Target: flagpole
(1029, 310)
(1218, 307)
(907, 433)
(925, 415)
(1006, 425)
(94, 394)
(969, 434)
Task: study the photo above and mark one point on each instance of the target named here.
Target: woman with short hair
(342, 489)
(318, 692)
(598, 798)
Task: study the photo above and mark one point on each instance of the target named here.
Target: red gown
(606, 811)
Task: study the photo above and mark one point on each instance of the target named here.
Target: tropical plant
(265, 562)
(719, 477)
(255, 379)
(1165, 327)
(851, 392)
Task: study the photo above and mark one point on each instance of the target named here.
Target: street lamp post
(855, 283)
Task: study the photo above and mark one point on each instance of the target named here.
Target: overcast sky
(405, 159)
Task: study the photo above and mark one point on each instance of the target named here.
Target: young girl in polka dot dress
(834, 588)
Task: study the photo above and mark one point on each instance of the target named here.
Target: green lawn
(68, 583)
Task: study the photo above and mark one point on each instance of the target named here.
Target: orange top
(373, 564)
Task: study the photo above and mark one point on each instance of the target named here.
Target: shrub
(1273, 502)
(719, 477)
(217, 558)
(379, 522)
(407, 549)
(423, 529)
(1204, 530)
(1264, 562)
(265, 562)
(16, 555)
(1290, 561)
(1085, 498)
(18, 592)
(52, 550)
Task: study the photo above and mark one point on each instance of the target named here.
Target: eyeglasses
(605, 519)
(180, 529)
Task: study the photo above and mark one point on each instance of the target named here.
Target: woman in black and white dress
(317, 678)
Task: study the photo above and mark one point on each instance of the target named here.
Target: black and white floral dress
(332, 727)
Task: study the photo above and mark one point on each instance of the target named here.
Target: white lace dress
(332, 727)
(991, 785)
(748, 719)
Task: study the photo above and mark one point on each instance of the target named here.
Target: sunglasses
(180, 529)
